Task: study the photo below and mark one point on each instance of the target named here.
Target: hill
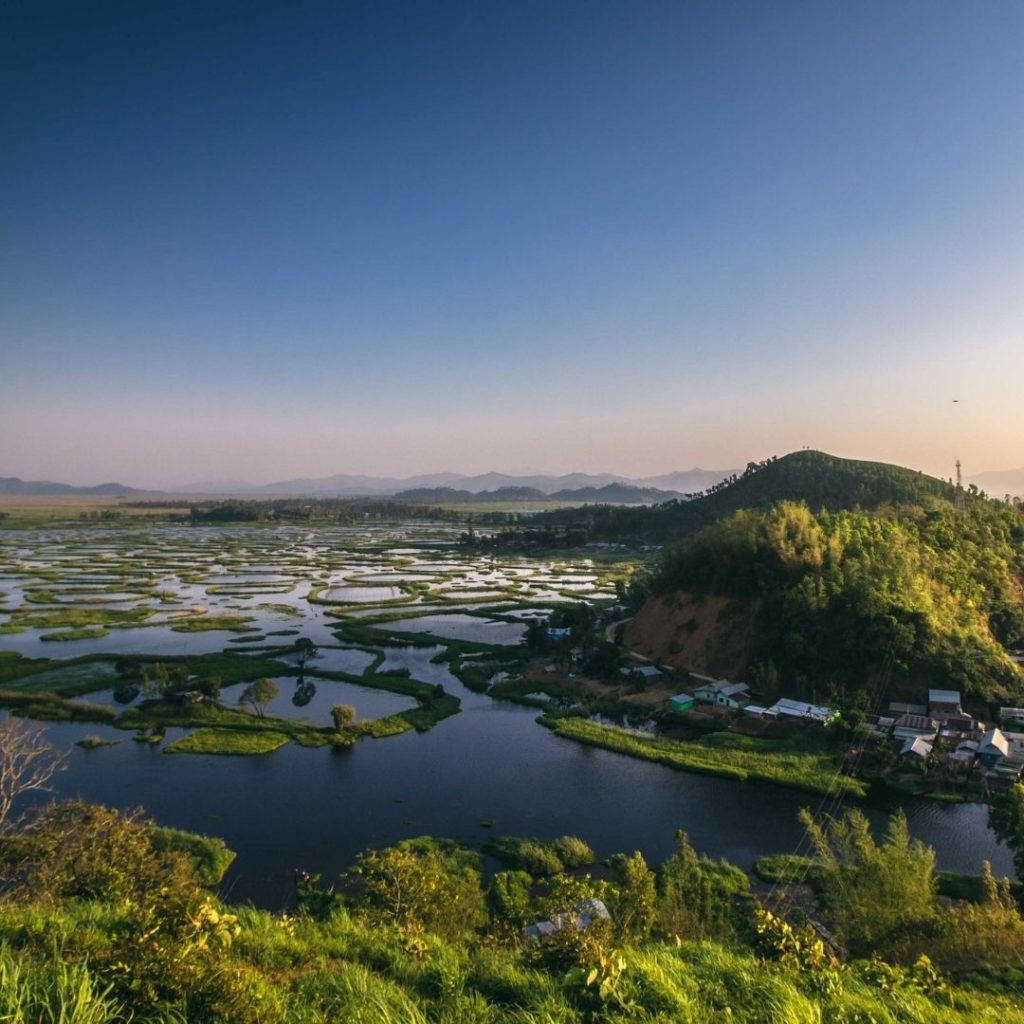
(449, 495)
(349, 485)
(892, 600)
(617, 494)
(12, 486)
(821, 481)
(1001, 482)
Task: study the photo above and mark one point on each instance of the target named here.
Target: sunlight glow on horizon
(395, 239)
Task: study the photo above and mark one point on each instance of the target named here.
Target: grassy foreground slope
(102, 920)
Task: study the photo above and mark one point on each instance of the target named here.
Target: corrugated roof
(944, 697)
(801, 709)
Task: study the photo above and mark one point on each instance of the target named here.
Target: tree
(259, 694)
(697, 897)
(344, 715)
(28, 761)
(304, 649)
(876, 892)
(510, 898)
(1006, 819)
(210, 686)
(422, 884)
(634, 905)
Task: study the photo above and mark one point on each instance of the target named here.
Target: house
(958, 727)
(1005, 769)
(993, 747)
(681, 702)
(582, 916)
(917, 747)
(911, 726)
(943, 704)
(756, 711)
(723, 693)
(1016, 742)
(649, 672)
(897, 708)
(786, 708)
(880, 725)
(965, 752)
(1012, 717)
(557, 634)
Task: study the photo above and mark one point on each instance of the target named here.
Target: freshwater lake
(316, 809)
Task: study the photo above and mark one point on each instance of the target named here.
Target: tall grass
(53, 993)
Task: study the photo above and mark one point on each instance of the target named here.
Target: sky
(262, 240)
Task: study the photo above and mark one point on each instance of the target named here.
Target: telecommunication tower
(959, 501)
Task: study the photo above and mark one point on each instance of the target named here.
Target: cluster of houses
(942, 723)
(736, 697)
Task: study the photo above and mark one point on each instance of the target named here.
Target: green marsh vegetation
(227, 742)
(799, 764)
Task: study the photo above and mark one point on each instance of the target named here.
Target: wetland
(388, 619)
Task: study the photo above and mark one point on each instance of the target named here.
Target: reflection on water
(318, 808)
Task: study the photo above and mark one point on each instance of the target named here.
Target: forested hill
(911, 596)
(819, 480)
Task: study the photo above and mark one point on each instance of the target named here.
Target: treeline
(911, 595)
(340, 510)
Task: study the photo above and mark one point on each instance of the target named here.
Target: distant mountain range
(610, 494)
(12, 486)
(1001, 482)
(583, 487)
(341, 485)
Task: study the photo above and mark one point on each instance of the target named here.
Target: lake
(316, 809)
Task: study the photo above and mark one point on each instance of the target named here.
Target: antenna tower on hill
(959, 488)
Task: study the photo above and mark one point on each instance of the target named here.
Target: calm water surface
(317, 809)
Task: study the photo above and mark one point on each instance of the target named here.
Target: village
(931, 748)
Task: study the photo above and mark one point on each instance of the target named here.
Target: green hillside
(911, 596)
(822, 481)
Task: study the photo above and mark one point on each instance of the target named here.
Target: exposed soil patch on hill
(709, 635)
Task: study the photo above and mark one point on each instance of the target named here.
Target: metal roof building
(800, 709)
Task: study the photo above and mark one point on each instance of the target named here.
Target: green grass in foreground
(227, 741)
(300, 971)
(728, 754)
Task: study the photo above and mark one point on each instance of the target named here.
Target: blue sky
(258, 240)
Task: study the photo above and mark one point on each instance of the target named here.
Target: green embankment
(727, 754)
(85, 633)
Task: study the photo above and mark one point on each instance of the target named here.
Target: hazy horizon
(252, 243)
(157, 483)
